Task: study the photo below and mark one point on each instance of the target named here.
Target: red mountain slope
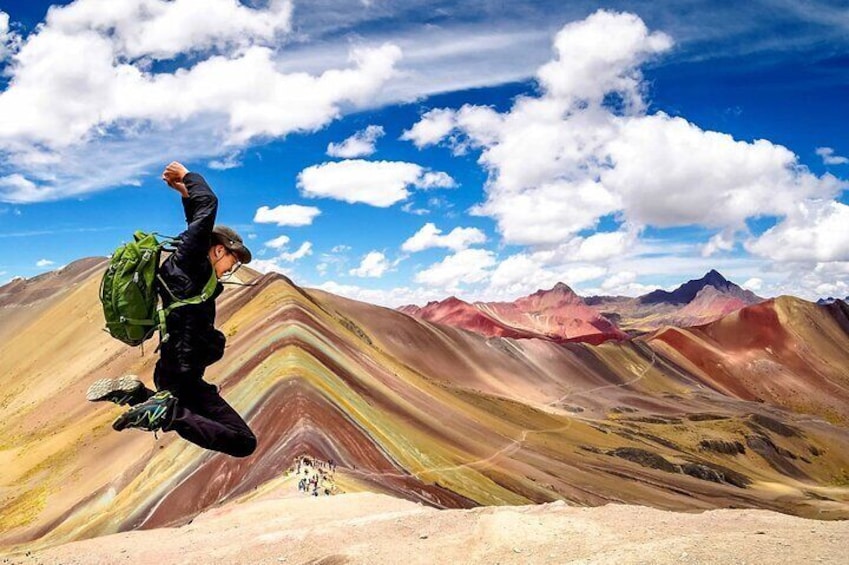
(784, 351)
(557, 314)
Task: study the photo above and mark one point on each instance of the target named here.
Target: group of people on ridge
(316, 476)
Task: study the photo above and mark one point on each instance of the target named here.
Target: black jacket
(193, 341)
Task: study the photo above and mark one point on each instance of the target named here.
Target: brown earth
(747, 412)
(377, 529)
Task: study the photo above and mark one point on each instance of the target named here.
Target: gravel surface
(378, 529)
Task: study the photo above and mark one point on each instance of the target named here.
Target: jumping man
(185, 403)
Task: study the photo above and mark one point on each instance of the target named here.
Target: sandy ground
(378, 529)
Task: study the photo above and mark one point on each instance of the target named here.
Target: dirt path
(515, 444)
(377, 529)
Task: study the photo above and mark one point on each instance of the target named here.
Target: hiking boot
(123, 390)
(154, 414)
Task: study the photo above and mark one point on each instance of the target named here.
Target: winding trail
(516, 444)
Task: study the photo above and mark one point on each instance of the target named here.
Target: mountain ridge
(558, 314)
(676, 419)
(686, 292)
(594, 319)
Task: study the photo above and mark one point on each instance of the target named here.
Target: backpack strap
(162, 313)
(239, 284)
(168, 243)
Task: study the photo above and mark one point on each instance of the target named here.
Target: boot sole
(113, 390)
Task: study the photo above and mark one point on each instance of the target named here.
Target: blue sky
(481, 150)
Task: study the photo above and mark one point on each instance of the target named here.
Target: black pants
(202, 416)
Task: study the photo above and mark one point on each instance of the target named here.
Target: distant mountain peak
(713, 276)
(562, 287)
(685, 293)
(559, 288)
(831, 300)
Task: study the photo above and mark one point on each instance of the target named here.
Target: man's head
(227, 252)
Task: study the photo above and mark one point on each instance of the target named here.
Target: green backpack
(128, 291)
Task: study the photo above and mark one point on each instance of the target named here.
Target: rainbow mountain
(748, 411)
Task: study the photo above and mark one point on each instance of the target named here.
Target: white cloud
(675, 262)
(600, 55)
(619, 280)
(145, 28)
(829, 158)
(436, 180)
(574, 261)
(377, 183)
(288, 215)
(278, 242)
(304, 250)
(434, 126)
(583, 273)
(813, 280)
(814, 232)
(430, 236)
(548, 213)
(361, 144)
(827, 279)
(230, 161)
(723, 241)
(9, 40)
(466, 266)
(336, 258)
(392, 297)
(410, 208)
(373, 264)
(448, 57)
(603, 245)
(622, 283)
(18, 188)
(523, 273)
(838, 289)
(754, 284)
(99, 55)
(44, 263)
(262, 102)
(514, 275)
(271, 266)
(560, 161)
(279, 263)
(669, 172)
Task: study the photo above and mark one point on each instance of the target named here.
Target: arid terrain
(748, 411)
(377, 529)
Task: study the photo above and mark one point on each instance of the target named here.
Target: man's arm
(200, 205)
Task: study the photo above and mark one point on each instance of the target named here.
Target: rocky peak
(688, 291)
(715, 279)
(559, 289)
